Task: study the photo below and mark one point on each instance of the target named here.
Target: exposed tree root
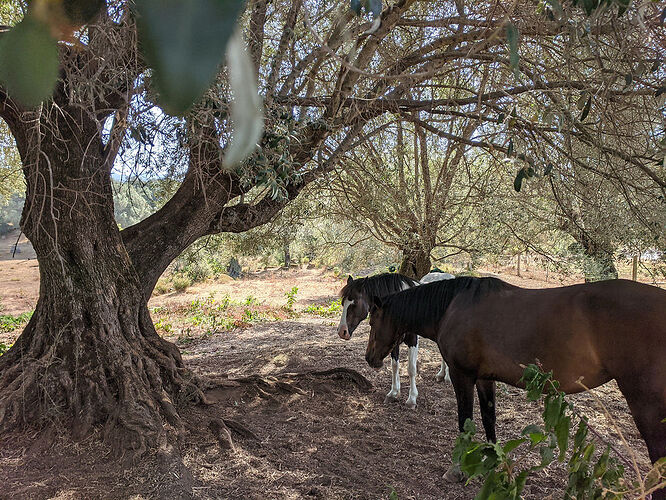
(122, 378)
(238, 428)
(285, 382)
(340, 373)
(222, 433)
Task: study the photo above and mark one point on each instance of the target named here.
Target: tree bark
(287, 255)
(415, 263)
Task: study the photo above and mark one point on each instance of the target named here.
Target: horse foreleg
(411, 369)
(443, 373)
(486, 391)
(395, 376)
(463, 385)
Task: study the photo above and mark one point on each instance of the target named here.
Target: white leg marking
(411, 369)
(395, 382)
(443, 373)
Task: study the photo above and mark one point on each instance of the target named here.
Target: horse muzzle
(373, 362)
(344, 334)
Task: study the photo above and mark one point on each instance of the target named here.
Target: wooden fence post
(634, 268)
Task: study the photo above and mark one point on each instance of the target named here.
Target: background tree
(415, 192)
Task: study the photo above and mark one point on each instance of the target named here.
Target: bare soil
(294, 412)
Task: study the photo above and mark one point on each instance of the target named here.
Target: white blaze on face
(343, 330)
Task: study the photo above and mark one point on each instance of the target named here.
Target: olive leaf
(247, 118)
(512, 40)
(29, 62)
(184, 43)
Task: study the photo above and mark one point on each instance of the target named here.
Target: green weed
(327, 311)
(291, 298)
(9, 323)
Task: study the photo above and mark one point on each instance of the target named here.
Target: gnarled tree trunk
(90, 355)
(415, 263)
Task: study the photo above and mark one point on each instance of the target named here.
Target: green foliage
(180, 283)
(163, 286)
(184, 43)
(223, 315)
(3, 348)
(10, 170)
(164, 326)
(29, 62)
(9, 323)
(327, 311)
(291, 298)
(512, 40)
(588, 6)
(134, 201)
(211, 315)
(371, 6)
(198, 270)
(503, 467)
(586, 106)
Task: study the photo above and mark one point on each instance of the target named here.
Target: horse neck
(429, 332)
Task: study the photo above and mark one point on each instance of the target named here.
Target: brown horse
(486, 329)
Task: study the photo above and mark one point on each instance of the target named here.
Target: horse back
(600, 331)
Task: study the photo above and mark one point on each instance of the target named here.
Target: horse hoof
(454, 474)
(410, 404)
(390, 399)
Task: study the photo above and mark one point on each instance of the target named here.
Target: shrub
(163, 325)
(330, 310)
(180, 283)
(291, 298)
(197, 271)
(163, 286)
(505, 472)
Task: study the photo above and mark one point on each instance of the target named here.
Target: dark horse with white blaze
(486, 329)
(356, 296)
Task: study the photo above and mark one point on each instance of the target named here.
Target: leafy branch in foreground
(505, 468)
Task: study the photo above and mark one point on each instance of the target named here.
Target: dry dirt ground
(304, 414)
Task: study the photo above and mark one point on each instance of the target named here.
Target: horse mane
(379, 285)
(425, 305)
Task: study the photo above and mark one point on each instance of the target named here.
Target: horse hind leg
(411, 369)
(394, 393)
(651, 425)
(649, 412)
(443, 373)
(463, 385)
(486, 391)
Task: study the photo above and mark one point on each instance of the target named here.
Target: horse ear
(349, 279)
(377, 302)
